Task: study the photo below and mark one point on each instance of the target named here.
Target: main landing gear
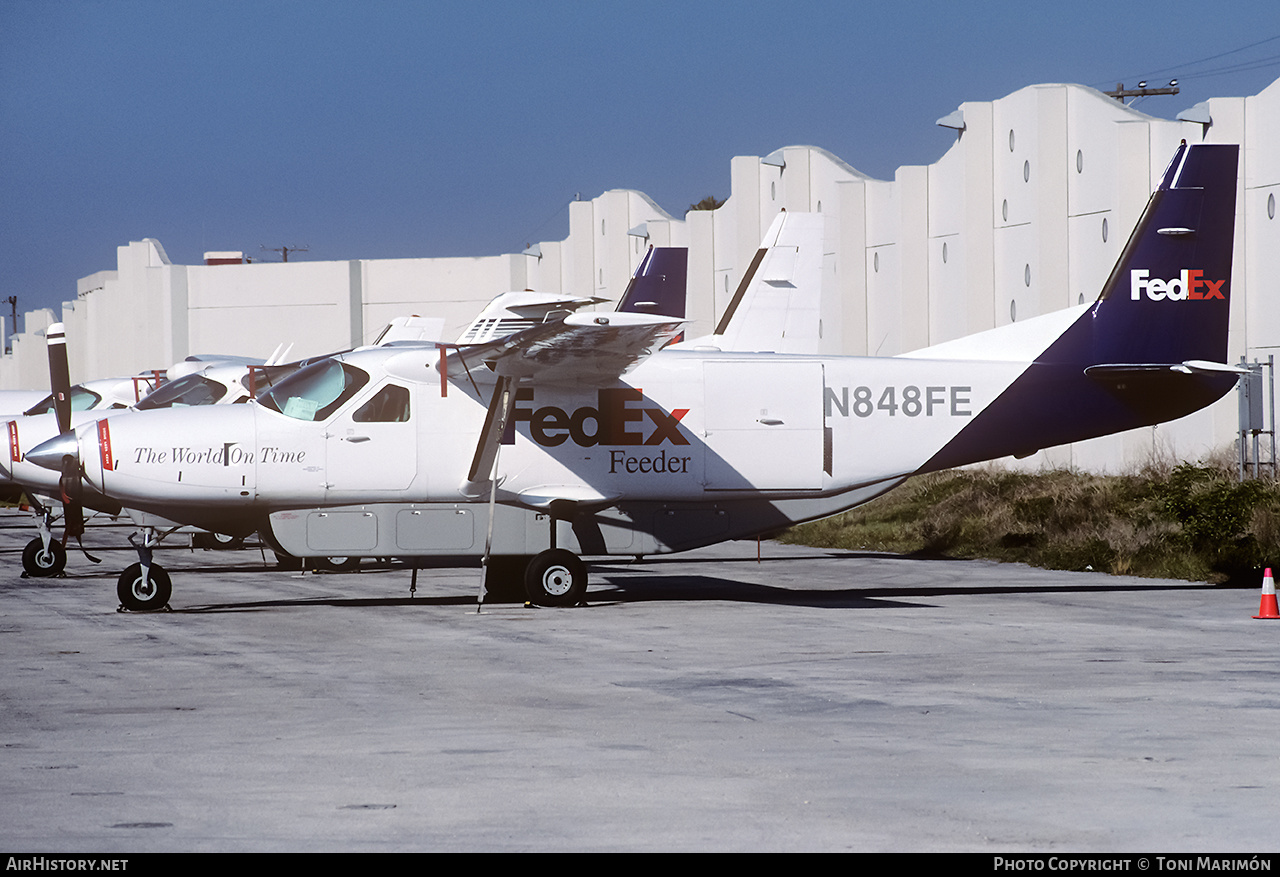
(554, 577)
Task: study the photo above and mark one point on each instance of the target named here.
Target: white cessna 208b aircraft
(580, 436)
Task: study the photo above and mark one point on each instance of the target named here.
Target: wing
(582, 349)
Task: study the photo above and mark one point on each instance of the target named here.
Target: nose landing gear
(144, 586)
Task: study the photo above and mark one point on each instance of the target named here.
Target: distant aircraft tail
(777, 305)
(659, 286)
(1149, 350)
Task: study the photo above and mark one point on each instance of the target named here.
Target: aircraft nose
(48, 455)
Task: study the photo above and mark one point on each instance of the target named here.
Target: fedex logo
(1188, 285)
(612, 421)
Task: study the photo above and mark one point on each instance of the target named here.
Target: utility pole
(13, 330)
(285, 251)
(1141, 91)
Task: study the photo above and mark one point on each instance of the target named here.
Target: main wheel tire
(556, 578)
(40, 563)
(139, 596)
(338, 563)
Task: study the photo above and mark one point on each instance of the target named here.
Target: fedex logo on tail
(1190, 284)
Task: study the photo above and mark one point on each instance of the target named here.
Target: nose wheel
(41, 561)
(139, 593)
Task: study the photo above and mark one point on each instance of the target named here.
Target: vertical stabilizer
(1151, 348)
(1168, 297)
(777, 306)
(659, 285)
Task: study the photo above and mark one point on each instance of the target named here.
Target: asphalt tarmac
(811, 700)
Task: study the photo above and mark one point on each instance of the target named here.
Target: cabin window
(389, 405)
(316, 391)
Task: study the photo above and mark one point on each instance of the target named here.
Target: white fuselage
(683, 426)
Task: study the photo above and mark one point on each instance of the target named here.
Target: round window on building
(1079, 161)
(1080, 300)
(1011, 140)
(1013, 312)
(944, 251)
(875, 263)
(1026, 274)
(819, 206)
(1104, 229)
(1271, 206)
(1004, 209)
(773, 191)
(1026, 171)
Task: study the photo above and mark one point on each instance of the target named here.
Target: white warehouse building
(1025, 214)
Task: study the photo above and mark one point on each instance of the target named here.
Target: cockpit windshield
(183, 392)
(316, 391)
(81, 400)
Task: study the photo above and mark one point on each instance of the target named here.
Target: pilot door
(372, 446)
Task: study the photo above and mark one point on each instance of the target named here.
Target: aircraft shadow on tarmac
(621, 583)
(686, 588)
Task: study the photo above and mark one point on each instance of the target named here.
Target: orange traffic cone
(1268, 607)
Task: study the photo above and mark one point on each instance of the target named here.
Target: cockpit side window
(316, 391)
(81, 400)
(184, 392)
(389, 405)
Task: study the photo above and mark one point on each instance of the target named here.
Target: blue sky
(406, 129)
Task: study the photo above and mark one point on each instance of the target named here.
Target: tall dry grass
(1184, 521)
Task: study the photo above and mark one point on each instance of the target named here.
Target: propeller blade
(69, 483)
(59, 375)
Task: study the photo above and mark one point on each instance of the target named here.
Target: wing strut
(486, 461)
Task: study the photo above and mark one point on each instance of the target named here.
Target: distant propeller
(60, 385)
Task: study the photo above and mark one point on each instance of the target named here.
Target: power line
(1181, 67)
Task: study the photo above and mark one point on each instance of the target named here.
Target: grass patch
(1192, 522)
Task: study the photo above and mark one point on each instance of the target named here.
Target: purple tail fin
(1144, 353)
(658, 286)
